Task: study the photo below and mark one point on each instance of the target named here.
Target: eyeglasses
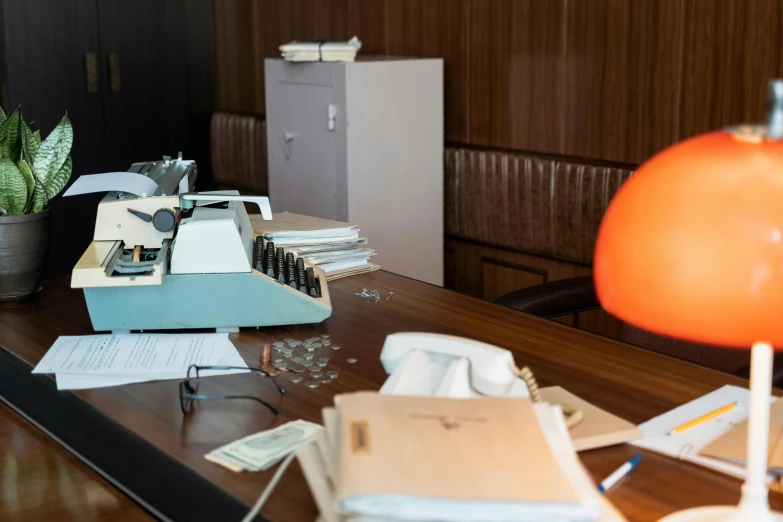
(188, 388)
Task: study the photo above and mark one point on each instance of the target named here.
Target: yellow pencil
(703, 418)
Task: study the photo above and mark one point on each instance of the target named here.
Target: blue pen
(622, 471)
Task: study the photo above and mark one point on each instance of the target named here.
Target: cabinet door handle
(91, 72)
(332, 117)
(115, 79)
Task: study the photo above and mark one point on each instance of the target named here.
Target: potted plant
(32, 172)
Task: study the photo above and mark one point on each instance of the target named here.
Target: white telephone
(438, 365)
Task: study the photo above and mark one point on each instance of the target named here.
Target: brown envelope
(598, 428)
(446, 448)
(731, 445)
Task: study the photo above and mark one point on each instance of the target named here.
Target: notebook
(424, 458)
(689, 444)
(598, 427)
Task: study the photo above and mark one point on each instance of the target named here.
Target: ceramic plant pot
(24, 241)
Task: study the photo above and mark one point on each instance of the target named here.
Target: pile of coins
(300, 359)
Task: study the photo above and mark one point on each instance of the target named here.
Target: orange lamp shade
(691, 246)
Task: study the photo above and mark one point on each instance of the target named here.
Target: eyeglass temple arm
(221, 397)
(259, 370)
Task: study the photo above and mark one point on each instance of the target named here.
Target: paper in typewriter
(415, 458)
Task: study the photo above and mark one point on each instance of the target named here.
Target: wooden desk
(630, 382)
(39, 480)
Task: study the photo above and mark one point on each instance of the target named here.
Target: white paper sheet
(328, 268)
(129, 182)
(686, 445)
(95, 361)
(347, 231)
(339, 255)
(70, 381)
(311, 240)
(133, 354)
(79, 381)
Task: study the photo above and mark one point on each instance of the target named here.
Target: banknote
(260, 451)
(226, 461)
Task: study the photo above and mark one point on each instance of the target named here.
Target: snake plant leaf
(9, 136)
(53, 152)
(37, 136)
(3, 117)
(56, 183)
(29, 143)
(29, 179)
(13, 188)
(39, 200)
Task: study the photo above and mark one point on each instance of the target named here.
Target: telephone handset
(439, 365)
(448, 366)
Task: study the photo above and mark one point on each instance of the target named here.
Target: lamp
(692, 247)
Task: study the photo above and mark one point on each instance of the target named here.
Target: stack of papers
(333, 246)
(261, 451)
(321, 51)
(397, 458)
(99, 361)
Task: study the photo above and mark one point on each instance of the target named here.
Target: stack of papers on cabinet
(398, 458)
(321, 51)
(99, 361)
(333, 246)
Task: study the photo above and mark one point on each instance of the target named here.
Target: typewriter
(170, 258)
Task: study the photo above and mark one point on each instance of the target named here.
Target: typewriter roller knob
(164, 219)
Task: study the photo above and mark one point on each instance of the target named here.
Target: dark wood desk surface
(630, 382)
(39, 480)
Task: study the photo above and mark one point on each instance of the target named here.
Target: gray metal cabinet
(363, 142)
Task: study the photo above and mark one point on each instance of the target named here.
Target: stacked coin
(304, 359)
(300, 359)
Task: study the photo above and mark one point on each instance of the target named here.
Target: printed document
(94, 361)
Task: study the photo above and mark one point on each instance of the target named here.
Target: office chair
(574, 295)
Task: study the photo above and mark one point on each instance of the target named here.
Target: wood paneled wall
(613, 80)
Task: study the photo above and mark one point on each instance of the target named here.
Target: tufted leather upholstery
(527, 203)
(239, 152)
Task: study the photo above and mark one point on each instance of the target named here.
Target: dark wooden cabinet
(45, 46)
(145, 81)
(135, 77)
